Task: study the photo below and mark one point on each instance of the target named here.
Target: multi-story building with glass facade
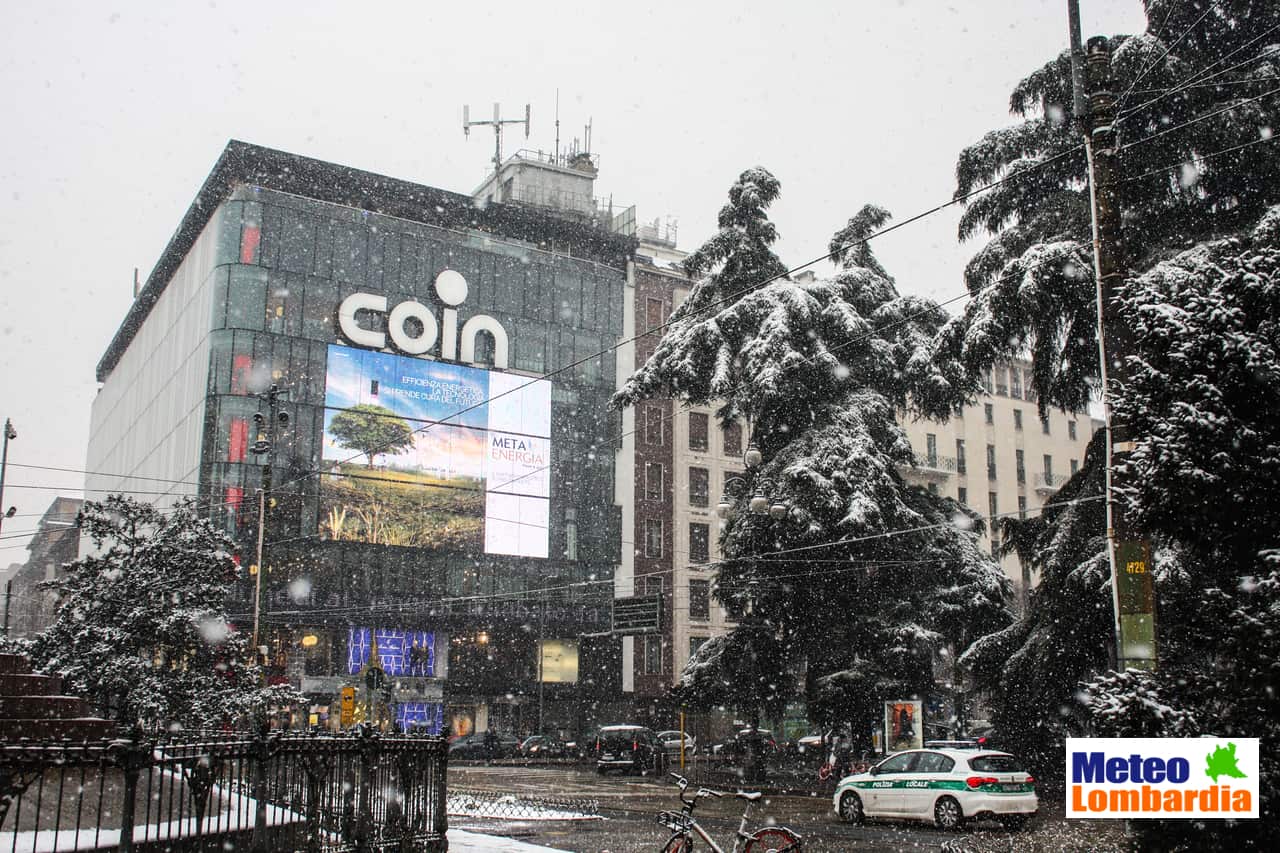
(444, 485)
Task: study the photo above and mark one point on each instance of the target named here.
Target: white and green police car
(946, 786)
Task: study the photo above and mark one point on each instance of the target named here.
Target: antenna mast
(557, 160)
(497, 123)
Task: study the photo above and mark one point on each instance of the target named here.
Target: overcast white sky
(115, 112)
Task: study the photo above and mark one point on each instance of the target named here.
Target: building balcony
(936, 467)
(1049, 482)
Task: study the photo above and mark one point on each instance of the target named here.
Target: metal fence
(273, 791)
(504, 805)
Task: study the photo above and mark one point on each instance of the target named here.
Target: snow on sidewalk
(461, 841)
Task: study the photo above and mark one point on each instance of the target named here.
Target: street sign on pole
(639, 614)
(347, 708)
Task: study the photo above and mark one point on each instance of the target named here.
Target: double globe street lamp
(760, 503)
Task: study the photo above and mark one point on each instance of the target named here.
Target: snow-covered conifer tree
(884, 576)
(142, 624)
(1197, 164)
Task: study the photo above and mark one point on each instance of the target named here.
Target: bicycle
(683, 826)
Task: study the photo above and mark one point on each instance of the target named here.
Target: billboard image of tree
(432, 454)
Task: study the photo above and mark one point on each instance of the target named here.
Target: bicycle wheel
(773, 840)
(679, 844)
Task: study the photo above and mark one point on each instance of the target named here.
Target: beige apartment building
(998, 457)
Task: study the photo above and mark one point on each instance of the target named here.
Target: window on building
(699, 542)
(571, 533)
(1028, 388)
(991, 461)
(699, 599)
(1075, 466)
(988, 384)
(654, 584)
(1071, 430)
(1002, 384)
(933, 488)
(1048, 470)
(931, 449)
(653, 537)
(989, 411)
(655, 425)
(1020, 466)
(699, 487)
(1022, 507)
(1015, 383)
(963, 496)
(652, 655)
(1017, 419)
(653, 477)
(655, 313)
(695, 643)
(697, 431)
(1044, 425)
(959, 455)
(994, 509)
(733, 440)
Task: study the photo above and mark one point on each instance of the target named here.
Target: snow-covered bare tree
(864, 575)
(142, 622)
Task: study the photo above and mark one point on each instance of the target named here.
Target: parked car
(480, 747)
(631, 749)
(542, 746)
(671, 742)
(746, 741)
(580, 748)
(946, 786)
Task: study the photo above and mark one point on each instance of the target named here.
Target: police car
(946, 786)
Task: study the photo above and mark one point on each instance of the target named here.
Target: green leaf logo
(1222, 762)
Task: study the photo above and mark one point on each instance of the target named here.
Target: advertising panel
(559, 661)
(410, 654)
(396, 473)
(903, 725)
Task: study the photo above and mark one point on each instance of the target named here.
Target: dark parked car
(482, 747)
(747, 742)
(543, 746)
(631, 749)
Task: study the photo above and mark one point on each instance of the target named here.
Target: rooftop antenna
(557, 160)
(497, 123)
(586, 138)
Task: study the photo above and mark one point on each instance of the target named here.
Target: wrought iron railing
(264, 791)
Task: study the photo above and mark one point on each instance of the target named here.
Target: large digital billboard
(401, 466)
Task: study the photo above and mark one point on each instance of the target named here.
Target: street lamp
(760, 502)
(262, 447)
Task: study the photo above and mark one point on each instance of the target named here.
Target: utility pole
(9, 433)
(542, 656)
(1132, 588)
(262, 446)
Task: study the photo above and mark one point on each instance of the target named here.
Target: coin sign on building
(443, 491)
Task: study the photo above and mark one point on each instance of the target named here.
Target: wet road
(631, 805)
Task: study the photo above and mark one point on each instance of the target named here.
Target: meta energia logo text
(1162, 777)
